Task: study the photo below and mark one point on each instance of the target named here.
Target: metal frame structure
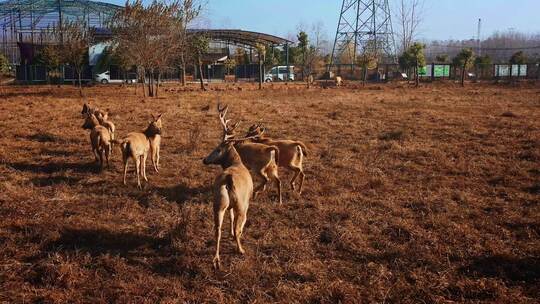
(364, 26)
(28, 21)
(246, 39)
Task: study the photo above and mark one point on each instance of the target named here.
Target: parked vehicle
(105, 78)
(279, 73)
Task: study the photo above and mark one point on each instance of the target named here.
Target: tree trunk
(151, 83)
(201, 79)
(144, 83)
(416, 77)
(463, 75)
(157, 83)
(79, 72)
(364, 81)
(183, 75)
(261, 75)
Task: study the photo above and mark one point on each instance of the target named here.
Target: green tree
(464, 60)
(482, 63)
(413, 58)
(366, 61)
(443, 58)
(49, 56)
(518, 58)
(303, 47)
(261, 51)
(272, 57)
(230, 64)
(4, 66)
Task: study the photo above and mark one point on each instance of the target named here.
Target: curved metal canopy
(242, 37)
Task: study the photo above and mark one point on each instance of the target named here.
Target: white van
(105, 78)
(279, 73)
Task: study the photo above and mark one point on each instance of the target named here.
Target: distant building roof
(240, 37)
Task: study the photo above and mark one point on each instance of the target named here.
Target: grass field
(411, 196)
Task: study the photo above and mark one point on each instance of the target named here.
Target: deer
(103, 118)
(155, 146)
(136, 145)
(88, 109)
(339, 81)
(291, 153)
(233, 188)
(100, 138)
(259, 158)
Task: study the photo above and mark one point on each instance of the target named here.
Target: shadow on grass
(60, 153)
(44, 137)
(52, 167)
(101, 241)
(508, 268)
(153, 253)
(183, 193)
(55, 180)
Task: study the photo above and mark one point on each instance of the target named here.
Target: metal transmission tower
(364, 26)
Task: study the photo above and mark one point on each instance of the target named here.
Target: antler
(224, 122)
(240, 139)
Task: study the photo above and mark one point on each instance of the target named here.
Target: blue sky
(443, 19)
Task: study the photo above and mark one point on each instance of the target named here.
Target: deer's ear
(159, 116)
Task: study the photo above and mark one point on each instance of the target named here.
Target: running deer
(100, 138)
(233, 189)
(258, 158)
(136, 146)
(291, 153)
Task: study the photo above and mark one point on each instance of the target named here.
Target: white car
(279, 73)
(105, 78)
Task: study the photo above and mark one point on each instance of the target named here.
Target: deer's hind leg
(238, 229)
(272, 173)
(262, 186)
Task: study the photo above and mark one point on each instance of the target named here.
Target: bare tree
(409, 18)
(190, 10)
(153, 37)
(198, 45)
(72, 42)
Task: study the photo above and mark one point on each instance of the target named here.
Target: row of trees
(413, 58)
(151, 38)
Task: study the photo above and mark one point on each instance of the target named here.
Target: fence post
(432, 71)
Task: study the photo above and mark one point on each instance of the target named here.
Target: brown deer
(88, 109)
(155, 146)
(233, 189)
(136, 145)
(103, 118)
(291, 152)
(258, 158)
(100, 138)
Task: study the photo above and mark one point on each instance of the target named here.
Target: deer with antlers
(291, 152)
(258, 158)
(233, 189)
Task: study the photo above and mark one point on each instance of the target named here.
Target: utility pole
(364, 26)
(479, 50)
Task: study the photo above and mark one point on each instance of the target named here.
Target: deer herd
(237, 155)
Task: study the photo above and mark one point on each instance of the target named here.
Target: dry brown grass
(412, 196)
